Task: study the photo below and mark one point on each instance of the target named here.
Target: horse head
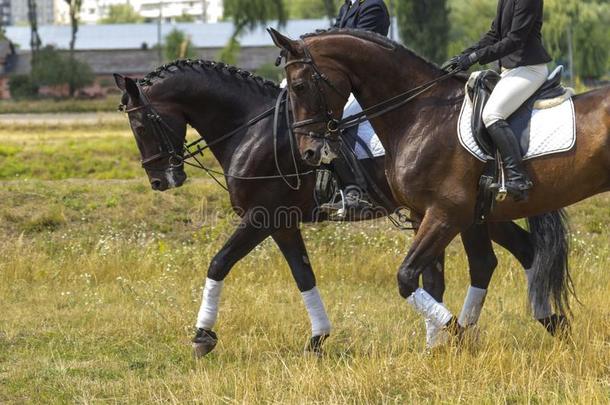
(318, 90)
(159, 132)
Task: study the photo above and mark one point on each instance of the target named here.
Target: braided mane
(205, 66)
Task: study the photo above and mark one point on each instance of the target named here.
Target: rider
(515, 40)
(369, 15)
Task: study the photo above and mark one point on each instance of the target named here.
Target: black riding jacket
(515, 36)
(370, 15)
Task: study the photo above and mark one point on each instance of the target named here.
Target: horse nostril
(308, 155)
(155, 184)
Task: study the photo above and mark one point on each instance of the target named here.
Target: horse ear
(120, 81)
(127, 85)
(283, 42)
(132, 88)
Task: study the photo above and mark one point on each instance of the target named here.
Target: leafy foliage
(22, 87)
(55, 69)
(178, 46)
(423, 26)
(121, 14)
(302, 9)
(587, 20)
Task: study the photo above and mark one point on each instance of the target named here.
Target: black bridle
(191, 151)
(334, 126)
(326, 114)
(161, 130)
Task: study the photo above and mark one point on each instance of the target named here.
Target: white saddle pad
(365, 132)
(552, 130)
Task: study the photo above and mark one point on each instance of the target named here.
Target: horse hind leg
(482, 262)
(290, 242)
(519, 243)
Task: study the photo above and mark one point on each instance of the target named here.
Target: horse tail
(550, 269)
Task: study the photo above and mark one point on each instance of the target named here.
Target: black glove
(464, 61)
(451, 64)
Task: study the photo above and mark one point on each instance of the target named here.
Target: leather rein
(335, 126)
(164, 133)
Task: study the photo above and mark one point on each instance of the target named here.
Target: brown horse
(427, 169)
(217, 99)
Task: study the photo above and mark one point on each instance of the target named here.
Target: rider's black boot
(517, 181)
(354, 198)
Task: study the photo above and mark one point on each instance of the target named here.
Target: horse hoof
(204, 342)
(556, 325)
(314, 346)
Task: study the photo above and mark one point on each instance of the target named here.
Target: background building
(5, 12)
(93, 11)
(45, 11)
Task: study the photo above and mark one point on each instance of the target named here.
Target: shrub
(22, 87)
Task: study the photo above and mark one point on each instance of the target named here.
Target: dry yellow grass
(100, 282)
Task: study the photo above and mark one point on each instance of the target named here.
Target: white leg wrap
(473, 304)
(427, 306)
(209, 304)
(320, 325)
(540, 311)
(435, 336)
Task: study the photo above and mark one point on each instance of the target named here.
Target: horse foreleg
(431, 239)
(434, 283)
(245, 238)
(290, 242)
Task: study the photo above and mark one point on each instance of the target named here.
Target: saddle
(480, 87)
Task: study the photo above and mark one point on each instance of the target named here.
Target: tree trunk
(34, 37)
(75, 6)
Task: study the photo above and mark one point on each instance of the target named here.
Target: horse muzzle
(318, 155)
(167, 179)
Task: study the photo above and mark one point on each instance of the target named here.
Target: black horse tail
(551, 278)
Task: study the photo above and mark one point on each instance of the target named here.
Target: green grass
(75, 151)
(100, 282)
(59, 106)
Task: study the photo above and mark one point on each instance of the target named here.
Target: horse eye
(140, 131)
(299, 86)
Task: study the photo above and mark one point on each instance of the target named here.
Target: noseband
(161, 130)
(325, 113)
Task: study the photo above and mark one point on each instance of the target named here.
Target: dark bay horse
(427, 169)
(215, 99)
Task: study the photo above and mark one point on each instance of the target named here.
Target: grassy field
(59, 106)
(100, 281)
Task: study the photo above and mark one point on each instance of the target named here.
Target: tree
(178, 46)
(303, 9)
(470, 19)
(35, 41)
(55, 69)
(74, 11)
(577, 27)
(248, 15)
(424, 27)
(581, 29)
(122, 14)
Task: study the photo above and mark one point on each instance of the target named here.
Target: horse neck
(377, 74)
(215, 106)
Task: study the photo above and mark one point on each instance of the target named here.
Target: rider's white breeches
(515, 87)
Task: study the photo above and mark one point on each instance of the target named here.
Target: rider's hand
(465, 61)
(451, 64)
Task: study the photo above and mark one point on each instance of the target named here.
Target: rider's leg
(515, 87)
